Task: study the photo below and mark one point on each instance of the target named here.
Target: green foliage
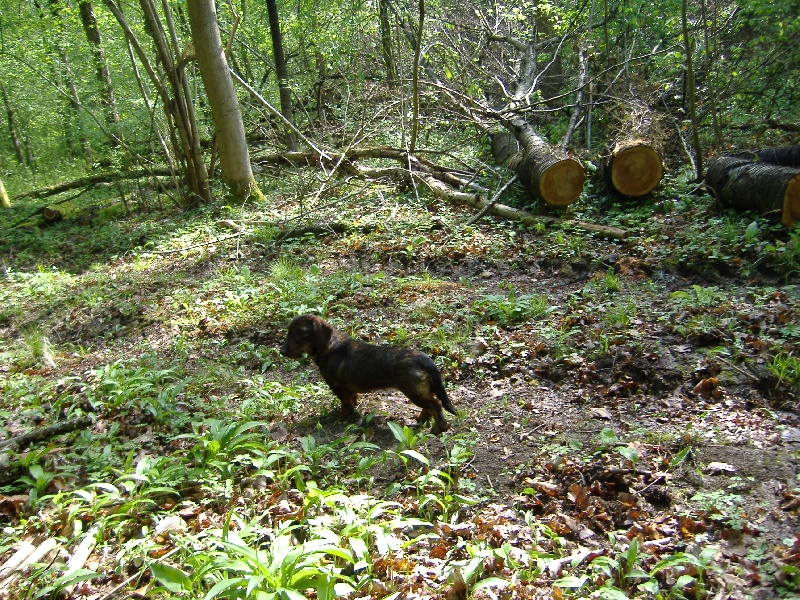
(512, 308)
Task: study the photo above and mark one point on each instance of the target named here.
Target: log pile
(765, 181)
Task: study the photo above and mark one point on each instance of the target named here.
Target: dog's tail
(437, 387)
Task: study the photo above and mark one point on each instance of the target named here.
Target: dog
(351, 367)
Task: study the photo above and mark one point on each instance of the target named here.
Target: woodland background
(625, 369)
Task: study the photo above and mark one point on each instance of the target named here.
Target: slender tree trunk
(72, 122)
(415, 80)
(386, 42)
(710, 79)
(233, 152)
(12, 126)
(4, 200)
(281, 70)
(92, 31)
(690, 85)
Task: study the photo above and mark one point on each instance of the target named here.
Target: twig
(492, 202)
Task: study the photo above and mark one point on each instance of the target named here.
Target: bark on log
(741, 184)
(545, 172)
(634, 167)
(98, 179)
(479, 201)
(783, 156)
(58, 212)
(43, 433)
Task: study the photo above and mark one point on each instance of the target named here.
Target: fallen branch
(516, 214)
(42, 433)
(52, 190)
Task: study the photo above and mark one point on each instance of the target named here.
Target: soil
(654, 435)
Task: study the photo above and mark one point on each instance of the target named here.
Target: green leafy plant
(512, 308)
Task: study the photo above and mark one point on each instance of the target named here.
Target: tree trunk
(12, 126)
(72, 116)
(5, 202)
(741, 184)
(690, 89)
(783, 156)
(281, 70)
(544, 171)
(233, 153)
(386, 43)
(634, 167)
(178, 108)
(107, 98)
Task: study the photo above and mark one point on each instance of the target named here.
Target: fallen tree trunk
(100, 178)
(544, 171)
(42, 433)
(742, 184)
(634, 167)
(783, 156)
(479, 201)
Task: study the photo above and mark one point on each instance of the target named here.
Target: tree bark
(741, 184)
(95, 40)
(233, 153)
(4, 200)
(783, 156)
(386, 43)
(547, 173)
(12, 125)
(281, 70)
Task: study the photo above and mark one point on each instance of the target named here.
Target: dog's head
(309, 334)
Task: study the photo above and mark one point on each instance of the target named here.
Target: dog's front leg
(348, 399)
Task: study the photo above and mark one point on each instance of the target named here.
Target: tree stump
(634, 168)
(742, 184)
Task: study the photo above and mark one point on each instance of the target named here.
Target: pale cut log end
(791, 203)
(636, 170)
(562, 182)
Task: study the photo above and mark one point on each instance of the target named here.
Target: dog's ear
(322, 334)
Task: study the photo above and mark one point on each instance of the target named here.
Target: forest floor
(627, 420)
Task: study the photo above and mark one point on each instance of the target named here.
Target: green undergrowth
(213, 467)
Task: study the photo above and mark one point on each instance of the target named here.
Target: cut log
(742, 184)
(634, 167)
(58, 212)
(783, 156)
(544, 171)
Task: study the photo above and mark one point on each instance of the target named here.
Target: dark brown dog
(351, 367)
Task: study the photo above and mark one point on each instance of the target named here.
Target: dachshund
(351, 366)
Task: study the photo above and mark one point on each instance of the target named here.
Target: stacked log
(544, 171)
(748, 182)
